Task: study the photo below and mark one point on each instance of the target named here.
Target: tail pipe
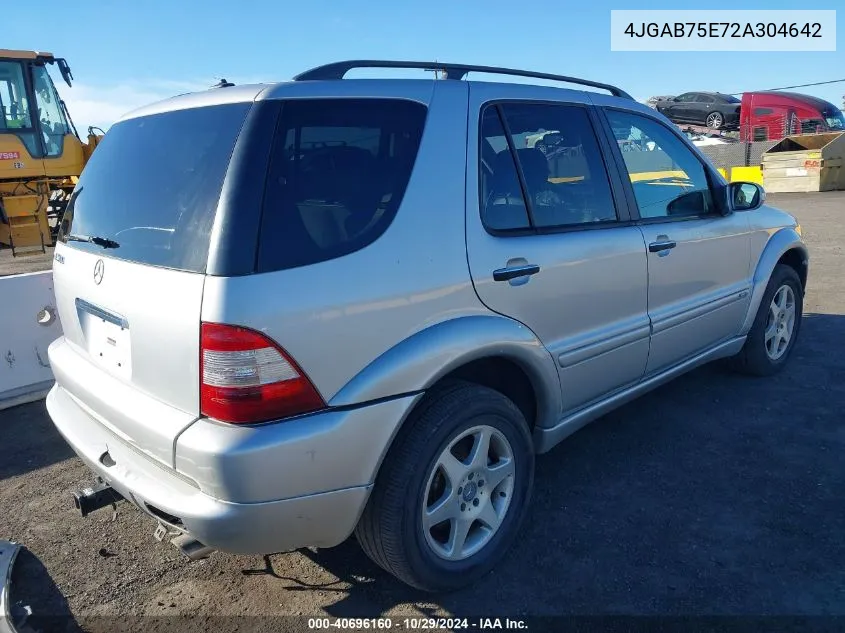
(191, 547)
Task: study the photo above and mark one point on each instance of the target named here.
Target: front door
(699, 261)
(684, 108)
(548, 245)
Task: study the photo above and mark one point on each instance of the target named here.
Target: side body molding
(421, 360)
(782, 241)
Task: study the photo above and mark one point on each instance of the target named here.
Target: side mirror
(64, 69)
(745, 196)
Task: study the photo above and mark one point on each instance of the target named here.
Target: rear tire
(715, 120)
(776, 327)
(443, 511)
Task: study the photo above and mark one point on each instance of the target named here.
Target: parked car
(770, 116)
(543, 140)
(711, 109)
(341, 309)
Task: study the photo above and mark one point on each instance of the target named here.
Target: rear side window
(151, 188)
(563, 172)
(338, 172)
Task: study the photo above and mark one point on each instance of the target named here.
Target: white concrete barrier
(28, 324)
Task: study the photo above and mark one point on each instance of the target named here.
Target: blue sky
(125, 54)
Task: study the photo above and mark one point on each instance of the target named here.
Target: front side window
(338, 173)
(668, 179)
(13, 102)
(688, 97)
(53, 123)
(564, 177)
(16, 115)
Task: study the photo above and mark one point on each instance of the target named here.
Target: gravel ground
(24, 263)
(711, 495)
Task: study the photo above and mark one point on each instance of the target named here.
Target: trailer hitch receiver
(98, 496)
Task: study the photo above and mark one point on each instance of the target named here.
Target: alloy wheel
(780, 323)
(468, 493)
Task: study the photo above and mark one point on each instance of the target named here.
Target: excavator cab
(41, 154)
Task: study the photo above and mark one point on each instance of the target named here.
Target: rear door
(129, 271)
(549, 243)
(699, 261)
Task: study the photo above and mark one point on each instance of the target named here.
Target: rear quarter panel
(336, 317)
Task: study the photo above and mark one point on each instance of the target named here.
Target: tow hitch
(99, 496)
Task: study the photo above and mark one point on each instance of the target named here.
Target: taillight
(246, 377)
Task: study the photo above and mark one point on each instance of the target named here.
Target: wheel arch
(784, 247)
(491, 350)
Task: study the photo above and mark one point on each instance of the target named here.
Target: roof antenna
(223, 84)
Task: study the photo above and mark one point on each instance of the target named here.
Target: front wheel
(775, 329)
(453, 490)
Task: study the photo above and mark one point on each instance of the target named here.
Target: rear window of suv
(151, 188)
(339, 169)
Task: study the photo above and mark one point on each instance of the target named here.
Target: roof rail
(337, 70)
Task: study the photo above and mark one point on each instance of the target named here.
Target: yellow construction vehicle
(41, 153)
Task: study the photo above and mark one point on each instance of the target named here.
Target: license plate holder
(108, 341)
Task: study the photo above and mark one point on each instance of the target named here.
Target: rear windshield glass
(150, 191)
(338, 171)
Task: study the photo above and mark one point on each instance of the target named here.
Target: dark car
(713, 109)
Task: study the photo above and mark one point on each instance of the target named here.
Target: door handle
(512, 272)
(657, 247)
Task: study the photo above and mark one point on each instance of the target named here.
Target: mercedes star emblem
(98, 271)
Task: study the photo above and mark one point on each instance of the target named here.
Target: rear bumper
(731, 118)
(321, 518)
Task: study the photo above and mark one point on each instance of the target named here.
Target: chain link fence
(766, 132)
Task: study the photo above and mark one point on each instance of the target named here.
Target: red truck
(769, 116)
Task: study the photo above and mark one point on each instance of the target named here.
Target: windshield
(835, 119)
(149, 193)
(53, 123)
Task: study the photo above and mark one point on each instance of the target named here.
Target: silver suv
(292, 312)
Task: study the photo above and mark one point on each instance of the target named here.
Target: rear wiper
(93, 239)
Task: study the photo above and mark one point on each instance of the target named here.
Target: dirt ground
(24, 264)
(711, 495)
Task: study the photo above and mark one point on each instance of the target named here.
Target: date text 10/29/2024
(418, 624)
